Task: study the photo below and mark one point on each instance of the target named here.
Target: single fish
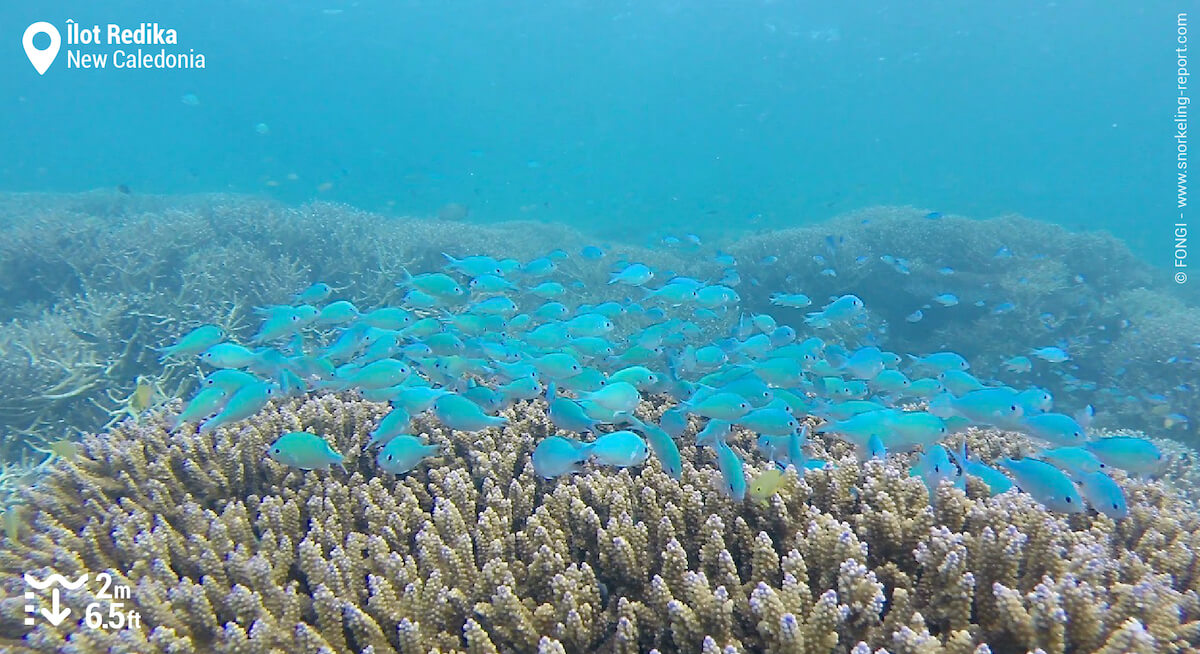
(1046, 484)
(304, 450)
(403, 453)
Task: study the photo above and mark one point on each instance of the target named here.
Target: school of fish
(483, 333)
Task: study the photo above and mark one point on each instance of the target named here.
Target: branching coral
(229, 552)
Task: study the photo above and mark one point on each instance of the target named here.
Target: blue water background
(623, 117)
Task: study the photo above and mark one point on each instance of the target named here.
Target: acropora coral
(227, 551)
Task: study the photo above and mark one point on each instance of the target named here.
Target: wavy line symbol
(55, 578)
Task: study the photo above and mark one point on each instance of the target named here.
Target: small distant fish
(1019, 364)
(934, 215)
(190, 99)
(1051, 354)
(591, 252)
(1003, 253)
(262, 129)
(946, 299)
(915, 316)
(1003, 307)
(768, 260)
(946, 270)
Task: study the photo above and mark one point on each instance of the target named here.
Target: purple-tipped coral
(227, 551)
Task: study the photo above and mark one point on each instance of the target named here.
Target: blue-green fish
(1045, 483)
(1136, 455)
(246, 402)
(996, 481)
(396, 422)
(304, 450)
(555, 456)
(207, 402)
(733, 472)
(318, 292)
(461, 414)
(940, 362)
(194, 342)
(772, 421)
(228, 379)
(617, 396)
(1073, 459)
(1104, 494)
(1057, 428)
(619, 448)
(935, 466)
(664, 448)
(228, 355)
(337, 313)
(439, 285)
(721, 406)
(474, 266)
(403, 453)
(387, 318)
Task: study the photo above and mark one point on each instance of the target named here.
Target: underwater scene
(756, 326)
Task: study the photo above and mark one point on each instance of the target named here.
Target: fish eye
(390, 458)
(1068, 500)
(277, 451)
(1116, 507)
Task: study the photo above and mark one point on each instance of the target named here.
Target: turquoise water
(659, 115)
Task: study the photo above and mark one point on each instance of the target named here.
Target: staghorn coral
(229, 552)
(90, 283)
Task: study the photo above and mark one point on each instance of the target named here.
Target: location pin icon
(41, 59)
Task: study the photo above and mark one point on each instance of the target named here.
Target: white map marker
(41, 59)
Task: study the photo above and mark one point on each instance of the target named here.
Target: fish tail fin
(406, 277)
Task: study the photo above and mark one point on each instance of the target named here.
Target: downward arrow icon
(56, 614)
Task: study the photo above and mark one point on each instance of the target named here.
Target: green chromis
(338, 313)
(620, 449)
(317, 292)
(935, 466)
(1136, 455)
(396, 422)
(243, 404)
(720, 406)
(785, 450)
(207, 402)
(228, 378)
(555, 456)
(640, 377)
(194, 342)
(664, 448)
(733, 472)
(403, 453)
(380, 374)
(304, 450)
(1072, 459)
(461, 414)
(1102, 493)
(617, 396)
(1045, 483)
(996, 481)
(1057, 428)
(769, 420)
(228, 355)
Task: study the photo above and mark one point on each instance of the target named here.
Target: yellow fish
(766, 484)
(65, 449)
(142, 397)
(12, 522)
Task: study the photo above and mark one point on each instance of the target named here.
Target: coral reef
(91, 283)
(227, 551)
